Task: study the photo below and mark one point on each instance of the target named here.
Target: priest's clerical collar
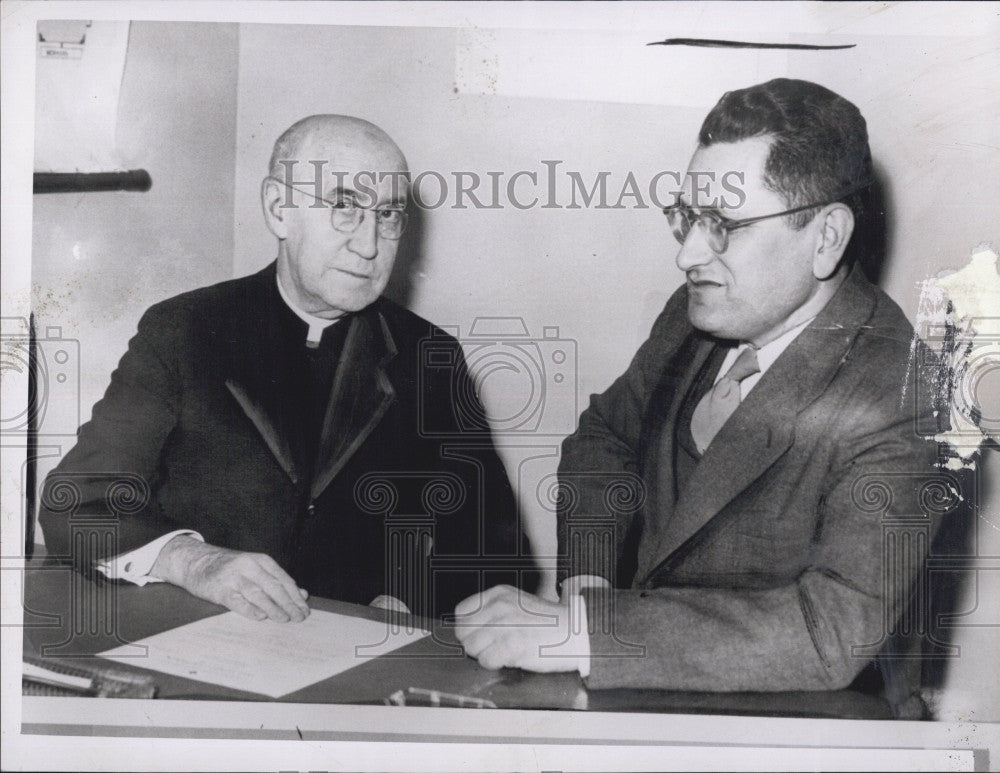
(316, 324)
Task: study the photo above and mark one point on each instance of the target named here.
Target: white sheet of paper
(265, 657)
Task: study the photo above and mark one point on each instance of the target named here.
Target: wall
(100, 259)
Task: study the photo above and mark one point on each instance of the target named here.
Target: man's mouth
(702, 282)
(355, 274)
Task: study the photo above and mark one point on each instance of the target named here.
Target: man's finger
(237, 603)
(475, 642)
(292, 604)
(273, 568)
(498, 592)
(495, 657)
(266, 573)
(478, 601)
(256, 596)
(494, 615)
(468, 636)
(469, 605)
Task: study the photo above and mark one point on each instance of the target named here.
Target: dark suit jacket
(787, 558)
(194, 432)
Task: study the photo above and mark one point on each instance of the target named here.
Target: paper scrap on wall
(78, 80)
(960, 317)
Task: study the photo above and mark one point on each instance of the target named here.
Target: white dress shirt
(766, 356)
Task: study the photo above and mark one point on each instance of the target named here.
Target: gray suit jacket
(786, 560)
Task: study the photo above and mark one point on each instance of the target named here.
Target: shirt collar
(769, 352)
(316, 324)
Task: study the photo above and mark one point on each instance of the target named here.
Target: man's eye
(716, 220)
(344, 205)
(389, 215)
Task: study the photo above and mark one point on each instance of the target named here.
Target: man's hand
(506, 627)
(251, 584)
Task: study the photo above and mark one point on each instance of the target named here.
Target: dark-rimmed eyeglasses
(346, 214)
(682, 217)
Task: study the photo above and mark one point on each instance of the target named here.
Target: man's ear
(272, 195)
(836, 226)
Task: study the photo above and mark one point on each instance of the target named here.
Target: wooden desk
(67, 616)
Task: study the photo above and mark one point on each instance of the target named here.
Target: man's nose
(364, 240)
(695, 251)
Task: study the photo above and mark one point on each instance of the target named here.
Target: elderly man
(761, 433)
(268, 430)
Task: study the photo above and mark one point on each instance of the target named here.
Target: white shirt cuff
(579, 633)
(574, 651)
(571, 586)
(136, 565)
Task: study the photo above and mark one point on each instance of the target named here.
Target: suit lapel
(658, 443)
(762, 428)
(275, 439)
(749, 443)
(361, 394)
(255, 375)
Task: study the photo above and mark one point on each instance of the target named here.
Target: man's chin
(711, 325)
(352, 303)
(702, 319)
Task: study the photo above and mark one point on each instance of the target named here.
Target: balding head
(321, 167)
(326, 137)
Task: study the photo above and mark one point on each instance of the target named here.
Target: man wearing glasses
(775, 389)
(269, 426)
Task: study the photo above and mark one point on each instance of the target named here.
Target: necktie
(721, 401)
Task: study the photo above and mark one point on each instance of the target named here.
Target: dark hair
(819, 141)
